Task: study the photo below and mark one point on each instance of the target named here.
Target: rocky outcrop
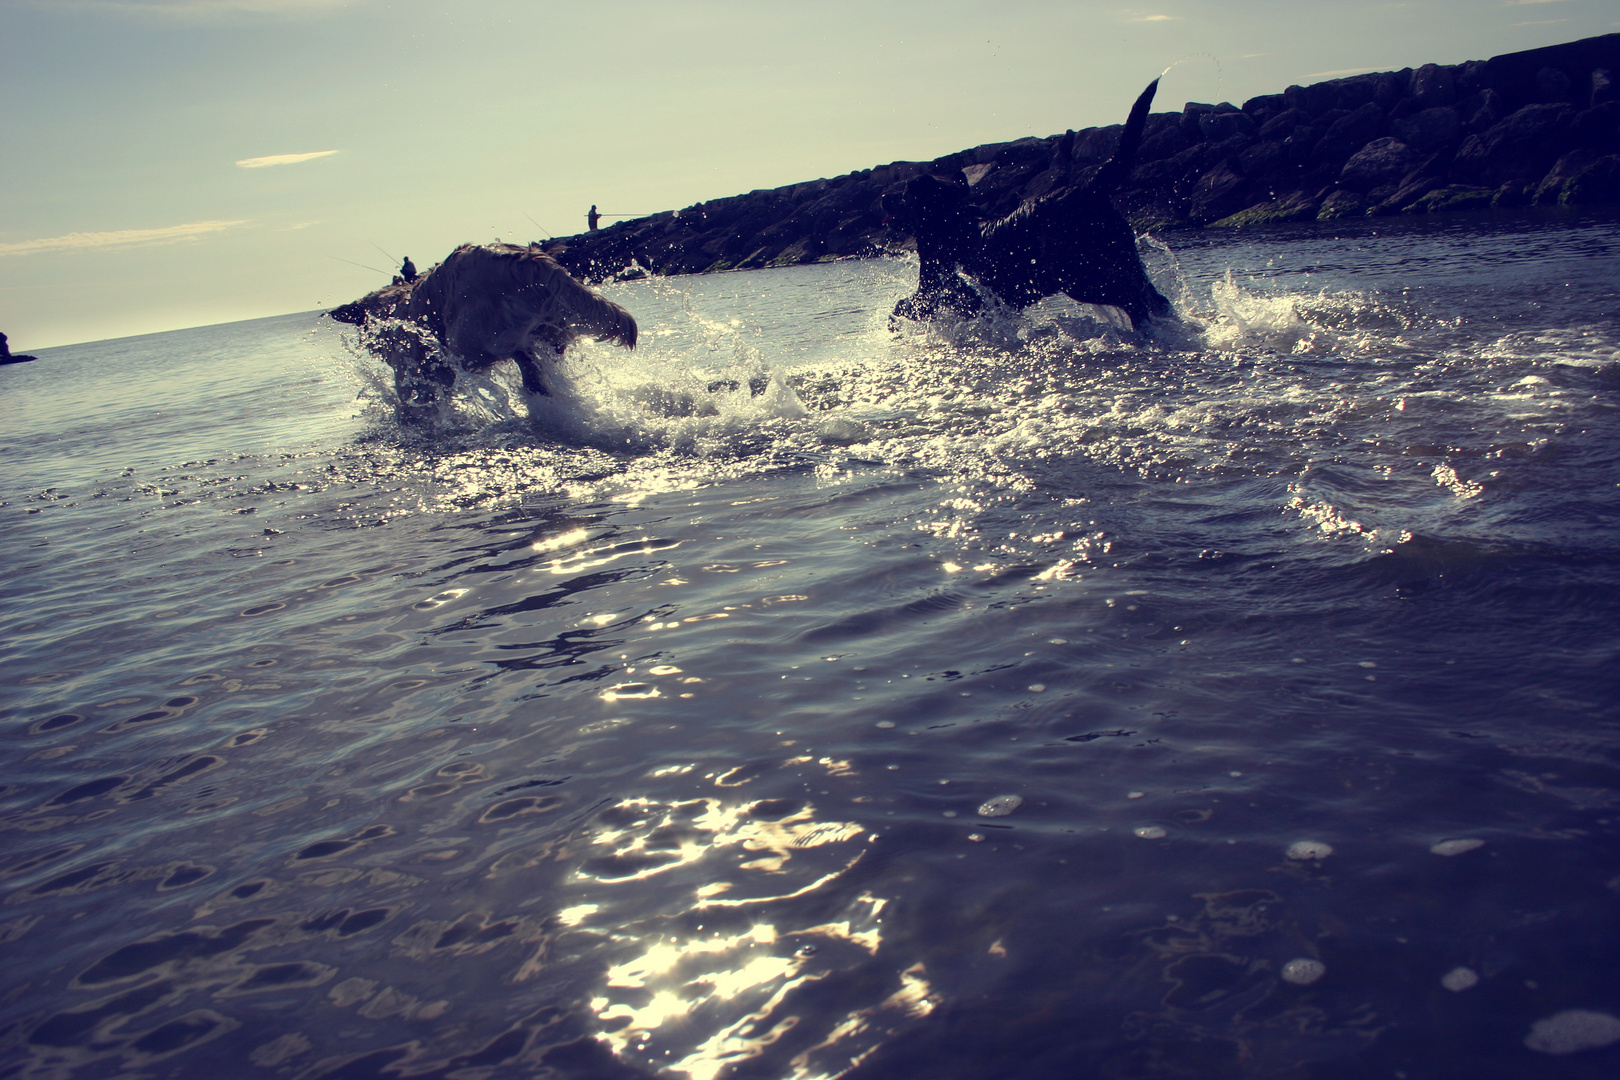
(1530, 128)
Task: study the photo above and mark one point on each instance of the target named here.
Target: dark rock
(1403, 108)
(1314, 99)
(1598, 183)
(1354, 92)
(1299, 149)
(1191, 113)
(1283, 124)
(1295, 206)
(1428, 176)
(1602, 86)
(1192, 163)
(1215, 127)
(1510, 194)
(1262, 159)
(1231, 147)
(1324, 120)
(1522, 147)
(1482, 111)
(1028, 151)
(1382, 161)
(1488, 132)
(1155, 175)
(1453, 197)
(1552, 85)
(1565, 169)
(1097, 145)
(1394, 87)
(1429, 130)
(1517, 76)
(1166, 143)
(1350, 133)
(1264, 107)
(1219, 192)
(1342, 204)
(1433, 85)
(1598, 127)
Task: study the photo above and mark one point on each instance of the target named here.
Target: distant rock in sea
(1539, 127)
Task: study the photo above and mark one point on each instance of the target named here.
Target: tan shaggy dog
(485, 303)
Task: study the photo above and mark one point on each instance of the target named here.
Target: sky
(174, 163)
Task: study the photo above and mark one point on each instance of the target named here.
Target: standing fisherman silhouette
(592, 218)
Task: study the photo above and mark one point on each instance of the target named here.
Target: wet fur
(483, 304)
(1072, 241)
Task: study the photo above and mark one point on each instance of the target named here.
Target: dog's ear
(895, 211)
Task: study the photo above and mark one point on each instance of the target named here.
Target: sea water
(798, 696)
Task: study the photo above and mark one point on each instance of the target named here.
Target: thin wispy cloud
(85, 241)
(1156, 18)
(281, 159)
(200, 9)
(1540, 22)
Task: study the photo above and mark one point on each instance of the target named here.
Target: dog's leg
(419, 382)
(529, 368)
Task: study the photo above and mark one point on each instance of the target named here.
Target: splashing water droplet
(1303, 971)
(1000, 806)
(1459, 979)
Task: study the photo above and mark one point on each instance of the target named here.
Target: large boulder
(1565, 169)
(1428, 176)
(1428, 130)
(1294, 206)
(1350, 133)
(1434, 85)
(1221, 191)
(1342, 204)
(1597, 183)
(1522, 147)
(1382, 161)
(1453, 197)
(1314, 99)
(1283, 124)
(1598, 127)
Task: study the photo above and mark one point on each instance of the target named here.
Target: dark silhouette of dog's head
(938, 212)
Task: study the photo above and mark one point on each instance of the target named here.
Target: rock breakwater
(1529, 128)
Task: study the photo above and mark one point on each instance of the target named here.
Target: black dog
(1072, 241)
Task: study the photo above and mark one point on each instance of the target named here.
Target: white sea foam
(1000, 806)
(1459, 979)
(1573, 1030)
(1306, 850)
(1303, 971)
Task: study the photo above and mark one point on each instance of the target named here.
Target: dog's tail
(1113, 174)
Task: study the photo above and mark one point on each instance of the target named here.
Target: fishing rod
(363, 266)
(536, 224)
(379, 248)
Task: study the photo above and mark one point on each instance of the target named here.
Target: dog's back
(1074, 241)
(485, 301)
